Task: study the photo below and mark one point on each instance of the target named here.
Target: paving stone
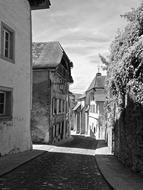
(55, 170)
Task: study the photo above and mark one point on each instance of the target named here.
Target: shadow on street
(53, 170)
(76, 143)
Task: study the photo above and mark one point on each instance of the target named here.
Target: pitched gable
(98, 82)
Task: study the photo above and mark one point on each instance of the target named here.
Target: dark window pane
(1, 108)
(6, 45)
(6, 36)
(8, 105)
(1, 97)
(12, 46)
(6, 52)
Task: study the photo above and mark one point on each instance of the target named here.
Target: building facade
(15, 74)
(51, 79)
(72, 104)
(95, 98)
(79, 115)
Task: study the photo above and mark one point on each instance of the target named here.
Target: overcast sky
(84, 28)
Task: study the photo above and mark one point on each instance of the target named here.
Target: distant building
(51, 79)
(72, 103)
(15, 74)
(79, 115)
(95, 98)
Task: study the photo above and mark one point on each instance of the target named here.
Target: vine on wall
(124, 88)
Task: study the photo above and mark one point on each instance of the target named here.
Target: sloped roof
(98, 82)
(47, 54)
(76, 107)
(77, 95)
(82, 96)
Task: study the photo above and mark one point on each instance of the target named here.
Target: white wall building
(95, 98)
(15, 73)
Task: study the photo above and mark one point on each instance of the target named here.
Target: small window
(97, 108)
(93, 108)
(60, 104)
(2, 102)
(63, 107)
(53, 131)
(54, 106)
(5, 103)
(7, 43)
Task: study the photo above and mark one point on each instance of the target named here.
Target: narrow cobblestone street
(58, 170)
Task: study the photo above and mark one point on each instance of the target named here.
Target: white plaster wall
(15, 133)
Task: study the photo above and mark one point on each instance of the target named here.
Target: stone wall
(41, 107)
(128, 129)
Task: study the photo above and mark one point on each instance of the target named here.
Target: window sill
(7, 59)
(5, 117)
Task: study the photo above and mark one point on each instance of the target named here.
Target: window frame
(11, 47)
(8, 107)
(4, 103)
(54, 106)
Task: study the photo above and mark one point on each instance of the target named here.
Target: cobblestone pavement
(53, 171)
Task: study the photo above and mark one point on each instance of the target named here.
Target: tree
(104, 61)
(125, 90)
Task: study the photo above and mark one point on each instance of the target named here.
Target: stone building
(15, 74)
(51, 79)
(95, 98)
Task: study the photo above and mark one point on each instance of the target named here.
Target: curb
(20, 164)
(109, 184)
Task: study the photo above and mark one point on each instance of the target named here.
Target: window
(60, 104)
(53, 131)
(93, 108)
(7, 43)
(2, 102)
(54, 105)
(5, 102)
(63, 106)
(97, 107)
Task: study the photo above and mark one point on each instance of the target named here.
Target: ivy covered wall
(124, 105)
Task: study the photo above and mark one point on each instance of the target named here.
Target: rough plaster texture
(45, 88)
(15, 132)
(40, 107)
(63, 117)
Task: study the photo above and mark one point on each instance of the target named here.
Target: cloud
(84, 29)
(82, 35)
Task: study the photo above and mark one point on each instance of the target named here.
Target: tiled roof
(47, 54)
(98, 82)
(36, 51)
